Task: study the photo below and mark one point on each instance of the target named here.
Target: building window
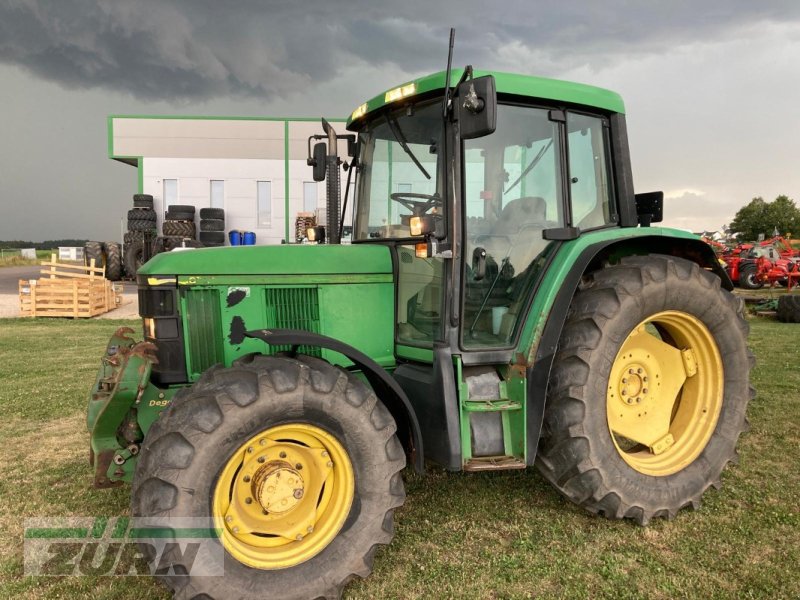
(309, 196)
(170, 193)
(217, 194)
(264, 191)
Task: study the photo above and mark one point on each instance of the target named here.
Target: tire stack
(105, 254)
(141, 232)
(178, 226)
(212, 226)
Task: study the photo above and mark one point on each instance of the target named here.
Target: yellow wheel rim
(665, 393)
(283, 496)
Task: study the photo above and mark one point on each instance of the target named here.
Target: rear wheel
(748, 277)
(294, 460)
(649, 389)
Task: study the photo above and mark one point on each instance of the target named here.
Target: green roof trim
(520, 85)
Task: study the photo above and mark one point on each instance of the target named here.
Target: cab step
(498, 405)
(494, 463)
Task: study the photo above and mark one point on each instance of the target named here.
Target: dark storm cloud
(189, 50)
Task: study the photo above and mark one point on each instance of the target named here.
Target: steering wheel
(414, 202)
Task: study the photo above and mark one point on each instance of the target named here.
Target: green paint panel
(202, 329)
(562, 265)
(286, 259)
(519, 85)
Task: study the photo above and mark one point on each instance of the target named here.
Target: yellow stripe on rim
(665, 393)
(283, 496)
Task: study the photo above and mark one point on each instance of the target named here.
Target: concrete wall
(238, 152)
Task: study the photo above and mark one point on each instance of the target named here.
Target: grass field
(10, 258)
(500, 535)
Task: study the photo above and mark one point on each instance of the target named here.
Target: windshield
(401, 172)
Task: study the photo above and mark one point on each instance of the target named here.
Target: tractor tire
(142, 201)
(789, 308)
(182, 208)
(139, 225)
(212, 238)
(193, 455)
(133, 257)
(599, 446)
(212, 225)
(94, 250)
(182, 229)
(141, 214)
(113, 261)
(212, 213)
(177, 215)
(748, 277)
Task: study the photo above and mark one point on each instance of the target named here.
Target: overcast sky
(711, 88)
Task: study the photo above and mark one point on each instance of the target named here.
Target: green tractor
(505, 302)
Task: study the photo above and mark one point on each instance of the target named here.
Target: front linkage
(122, 406)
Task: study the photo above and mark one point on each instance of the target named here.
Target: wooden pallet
(67, 290)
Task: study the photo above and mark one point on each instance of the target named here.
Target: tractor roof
(507, 83)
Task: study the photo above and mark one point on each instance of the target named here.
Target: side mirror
(320, 153)
(476, 107)
(649, 208)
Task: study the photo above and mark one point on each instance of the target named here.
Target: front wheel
(648, 391)
(297, 464)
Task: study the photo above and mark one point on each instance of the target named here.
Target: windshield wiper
(394, 127)
(534, 162)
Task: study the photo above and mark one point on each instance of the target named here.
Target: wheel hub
(283, 496)
(633, 383)
(278, 487)
(664, 393)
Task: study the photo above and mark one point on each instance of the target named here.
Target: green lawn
(496, 535)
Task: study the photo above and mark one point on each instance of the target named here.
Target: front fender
(385, 387)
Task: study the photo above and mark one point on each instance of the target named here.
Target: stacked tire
(142, 230)
(178, 226)
(107, 255)
(212, 226)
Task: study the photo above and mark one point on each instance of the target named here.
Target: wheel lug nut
(644, 378)
(246, 478)
(623, 392)
(329, 464)
(250, 450)
(630, 371)
(262, 441)
(261, 459)
(324, 453)
(644, 391)
(638, 370)
(298, 466)
(310, 529)
(229, 518)
(235, 530)
(624, 380)
(283, 454)
(248, 500)
(299, 537)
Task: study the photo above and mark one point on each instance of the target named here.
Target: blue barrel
(235, 237)
(249, 238)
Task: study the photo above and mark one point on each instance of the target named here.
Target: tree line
(762, 217)
(46, 245)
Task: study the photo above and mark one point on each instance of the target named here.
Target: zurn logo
(121, 546)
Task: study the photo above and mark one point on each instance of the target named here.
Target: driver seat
(521, 222)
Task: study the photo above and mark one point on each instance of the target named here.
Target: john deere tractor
(505, 302)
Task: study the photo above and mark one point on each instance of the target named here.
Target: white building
(254, 168)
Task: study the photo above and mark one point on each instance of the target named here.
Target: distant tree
(759, 216)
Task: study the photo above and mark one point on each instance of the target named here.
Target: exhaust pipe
(332, 186)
